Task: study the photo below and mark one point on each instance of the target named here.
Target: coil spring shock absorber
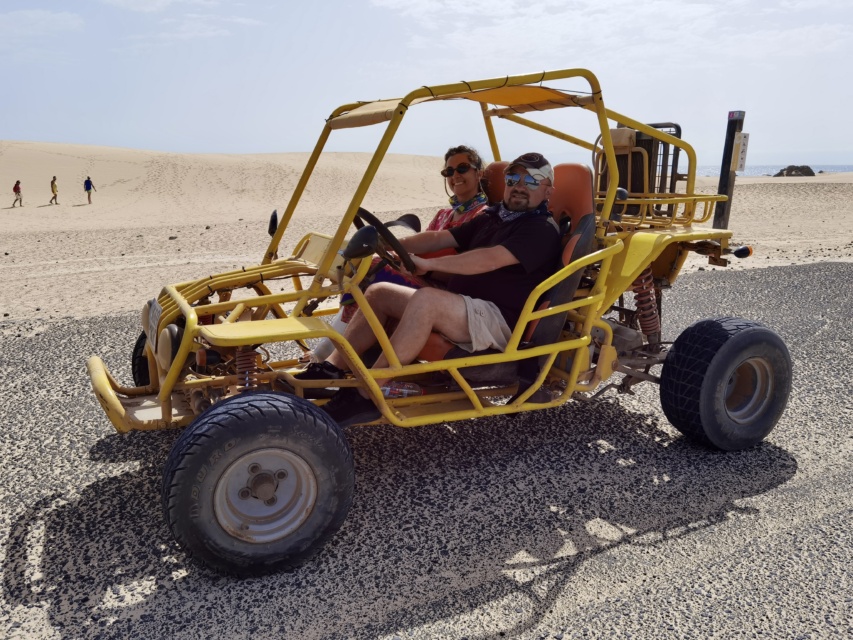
(247, 368)
(647, 308)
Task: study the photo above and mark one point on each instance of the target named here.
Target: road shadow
(447, 519)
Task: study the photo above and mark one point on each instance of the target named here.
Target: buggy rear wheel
(726, 382)
(257, 483)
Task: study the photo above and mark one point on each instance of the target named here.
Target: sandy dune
(163, 217)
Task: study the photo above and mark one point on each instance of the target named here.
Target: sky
(223, 76)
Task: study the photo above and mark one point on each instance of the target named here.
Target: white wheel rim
(749, 390)
(265, 495)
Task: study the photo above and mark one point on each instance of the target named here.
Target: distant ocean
(773, 169)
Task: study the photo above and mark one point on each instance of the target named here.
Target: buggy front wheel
(257, 483)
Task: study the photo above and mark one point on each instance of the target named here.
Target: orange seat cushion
(493, 181)
(436, 348)
(572, 195)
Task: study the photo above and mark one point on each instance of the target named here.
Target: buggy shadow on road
(447, 519)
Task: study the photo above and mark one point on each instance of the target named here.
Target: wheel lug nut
(244, 494)
(270, 502)
(254, 468)
(281, 474)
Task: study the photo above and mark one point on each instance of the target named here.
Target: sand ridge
(159, 218)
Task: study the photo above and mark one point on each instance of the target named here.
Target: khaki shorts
(486, 325)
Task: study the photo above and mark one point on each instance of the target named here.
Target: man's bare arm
(468, 263)
(428, 241)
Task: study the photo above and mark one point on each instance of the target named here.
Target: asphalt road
(592, 520)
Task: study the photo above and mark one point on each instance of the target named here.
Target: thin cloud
(29, 34)
(247, 22)
(153, 6)
(191, 26)
(191, 30)
(29, 24)
(698, 34)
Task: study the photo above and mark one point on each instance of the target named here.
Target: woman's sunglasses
(530, 182)
(462, 168)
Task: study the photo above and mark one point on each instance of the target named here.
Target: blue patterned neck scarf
(508, 216)
(462, 208)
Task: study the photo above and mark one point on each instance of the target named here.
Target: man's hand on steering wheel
(421, 265)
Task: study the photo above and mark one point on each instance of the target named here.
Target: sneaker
(321, 371)
(347, 407)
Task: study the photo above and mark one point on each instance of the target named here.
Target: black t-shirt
(533, 240)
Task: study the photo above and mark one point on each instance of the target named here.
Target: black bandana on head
(508, 216)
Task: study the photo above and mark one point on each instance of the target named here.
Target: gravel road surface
(595, 520)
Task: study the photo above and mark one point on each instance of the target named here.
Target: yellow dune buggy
(261, 477)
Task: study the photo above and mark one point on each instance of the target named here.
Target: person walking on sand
(17, 191)
(89, 187)
(54, 190)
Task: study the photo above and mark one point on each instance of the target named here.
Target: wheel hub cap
(749, 390)
(265, 495)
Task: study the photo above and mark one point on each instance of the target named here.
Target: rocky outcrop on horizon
(793, 170)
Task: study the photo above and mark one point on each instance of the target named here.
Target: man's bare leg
(420, 311)
(428, 310)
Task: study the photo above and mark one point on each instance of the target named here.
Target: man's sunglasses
(530, 182)
(462, 168)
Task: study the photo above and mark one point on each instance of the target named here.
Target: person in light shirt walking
(19, 198)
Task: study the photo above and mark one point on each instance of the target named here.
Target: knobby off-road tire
(257, 483)
(139, 363)
(726, 382)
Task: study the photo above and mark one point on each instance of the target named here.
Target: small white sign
(739, 155)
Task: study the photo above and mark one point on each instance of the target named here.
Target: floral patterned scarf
(466, 210)
(464, 207)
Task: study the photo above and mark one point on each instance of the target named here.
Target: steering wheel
(387, 240)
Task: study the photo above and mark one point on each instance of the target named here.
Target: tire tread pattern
(685, 369)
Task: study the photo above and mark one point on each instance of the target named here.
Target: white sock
(325, 347)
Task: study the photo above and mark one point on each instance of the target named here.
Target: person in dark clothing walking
(89, 187)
